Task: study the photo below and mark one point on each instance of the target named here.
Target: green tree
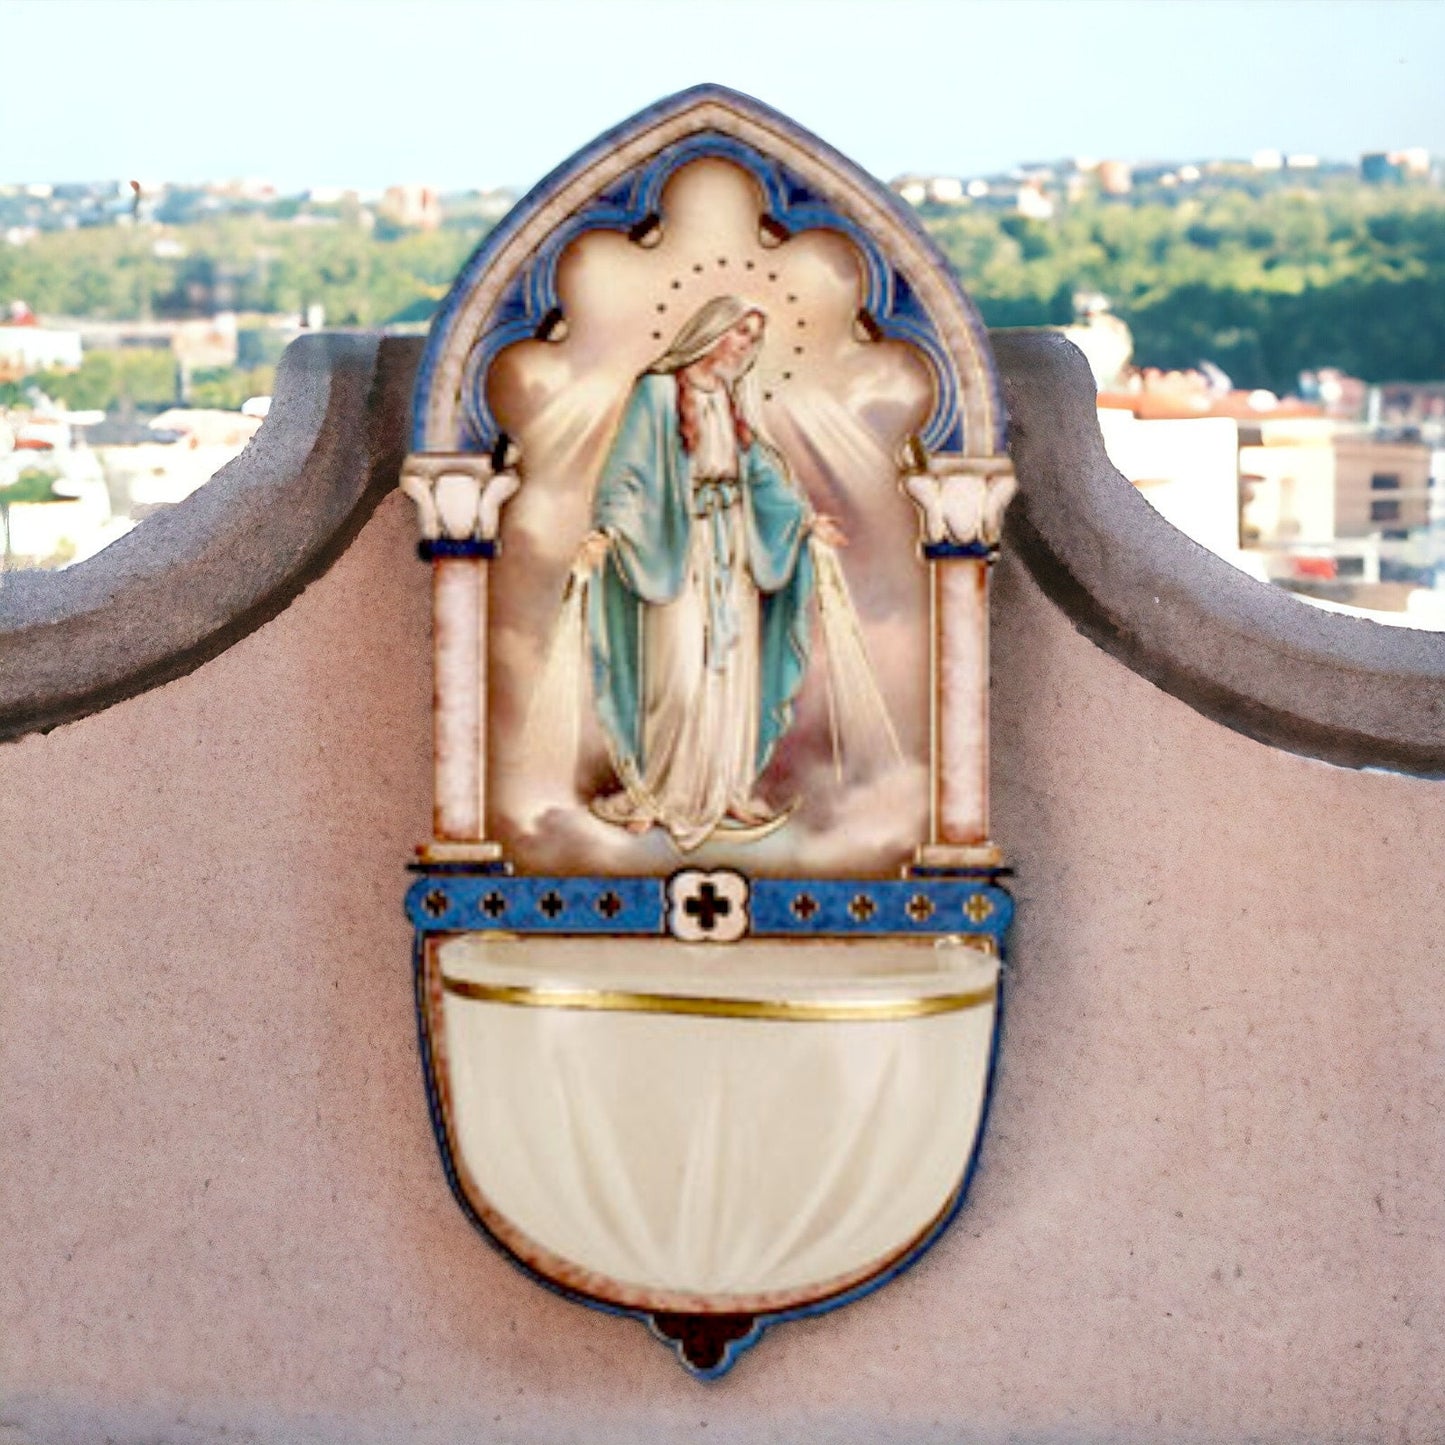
(229, 388)
(108, 380)
(1258, 273)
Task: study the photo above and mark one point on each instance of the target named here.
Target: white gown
(700, 691)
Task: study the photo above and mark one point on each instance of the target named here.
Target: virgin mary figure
(701, 576)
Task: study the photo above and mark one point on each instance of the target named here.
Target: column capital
(960, 499)
(459, 495)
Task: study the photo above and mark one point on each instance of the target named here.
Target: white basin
(709, 1128)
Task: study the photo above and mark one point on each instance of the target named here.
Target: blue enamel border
(601, 905)
(735, 1349)
(889, 298)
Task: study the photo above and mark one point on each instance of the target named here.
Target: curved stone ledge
(1343, 689)
(201, 575)
(197, 577)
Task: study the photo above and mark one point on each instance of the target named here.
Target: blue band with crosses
(453, 902)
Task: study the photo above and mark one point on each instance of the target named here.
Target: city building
(940, 190)
(1382, 486)
(1248, 475)
(1105, 340)
(1416, 405)
(414, 206)
(1384, 167)
(1287, 483)
(1186, 467)
(1116, 178)
(1033, 203)
(26, 346)
(1346, 514)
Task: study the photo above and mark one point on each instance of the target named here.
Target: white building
(28, 348)
(1188, 469)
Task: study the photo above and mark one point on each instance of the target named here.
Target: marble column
(459, 499)
(961, 501)
(459, 698)
(959, 830)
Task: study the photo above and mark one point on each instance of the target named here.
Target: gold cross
(978, 908)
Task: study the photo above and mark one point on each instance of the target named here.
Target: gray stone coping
(193, 579)
(196, 577)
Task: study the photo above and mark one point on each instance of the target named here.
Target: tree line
(1264, 285)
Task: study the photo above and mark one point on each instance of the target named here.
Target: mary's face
(735, 348)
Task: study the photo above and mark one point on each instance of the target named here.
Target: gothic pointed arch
(508, 292)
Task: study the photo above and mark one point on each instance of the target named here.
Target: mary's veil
(698, 335)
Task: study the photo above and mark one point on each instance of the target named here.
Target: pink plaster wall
(1210, 1206)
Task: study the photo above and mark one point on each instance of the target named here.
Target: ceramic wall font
(708, 459)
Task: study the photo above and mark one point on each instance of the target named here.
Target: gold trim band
(787, 1010)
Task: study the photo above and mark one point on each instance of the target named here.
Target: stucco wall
(1210, 1203)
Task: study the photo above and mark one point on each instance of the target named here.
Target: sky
(471, 93)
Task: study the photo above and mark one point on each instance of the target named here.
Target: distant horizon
(1321, 162)
(362, 94)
